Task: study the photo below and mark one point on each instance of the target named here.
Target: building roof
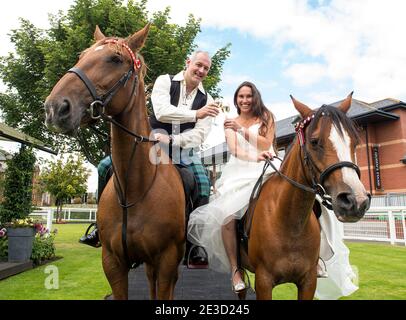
(10, 134)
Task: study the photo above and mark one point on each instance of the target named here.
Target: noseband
(102, 101)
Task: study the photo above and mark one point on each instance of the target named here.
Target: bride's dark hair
(258, 108)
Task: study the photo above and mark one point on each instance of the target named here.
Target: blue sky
(317, 50)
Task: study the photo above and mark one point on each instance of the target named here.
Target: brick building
(381, 154)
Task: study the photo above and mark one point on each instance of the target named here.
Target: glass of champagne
(219, 104)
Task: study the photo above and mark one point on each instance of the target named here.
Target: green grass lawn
(382, 273)
(81, 275)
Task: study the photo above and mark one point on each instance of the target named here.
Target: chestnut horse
(147, 223)
(285, 235)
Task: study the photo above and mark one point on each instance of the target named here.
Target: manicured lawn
(382, 273)
(81, 275)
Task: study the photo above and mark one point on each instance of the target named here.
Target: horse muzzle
(59, 116)
(349, 207)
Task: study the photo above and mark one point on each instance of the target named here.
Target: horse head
(328, 139)
(105, 79)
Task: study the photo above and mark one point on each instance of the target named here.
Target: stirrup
(93, 224)
(321, 270)
(196, 266)
(93, 241)
(239, 286)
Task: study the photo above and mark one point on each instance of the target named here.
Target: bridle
(97, 111)
(315, 187)
(97, 107)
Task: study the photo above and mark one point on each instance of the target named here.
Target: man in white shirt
(184, 111)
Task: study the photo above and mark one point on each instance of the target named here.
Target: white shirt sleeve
(196, 136)
(161, 103)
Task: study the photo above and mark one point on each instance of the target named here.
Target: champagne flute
(218, 104)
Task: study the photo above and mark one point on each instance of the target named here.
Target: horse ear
(346, 104)
(137, 40)
(302, 108)
(98, 35)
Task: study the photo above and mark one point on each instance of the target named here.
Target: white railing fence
(48, 215)
(386, 224)
(389, 200)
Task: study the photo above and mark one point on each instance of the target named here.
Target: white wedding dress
(233, 190)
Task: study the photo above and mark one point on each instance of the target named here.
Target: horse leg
(263, 284)
(168, 271)
(117, 275)
(151, 275)
(307, 287)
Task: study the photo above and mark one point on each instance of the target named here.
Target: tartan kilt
(104, 167)
(202, 179)
(199, 171)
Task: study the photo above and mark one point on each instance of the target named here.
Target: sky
(319, 51)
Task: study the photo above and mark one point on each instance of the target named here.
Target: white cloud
(305, 74)
(282, 109)
(230, 79)
(35, 11)
(358, 41)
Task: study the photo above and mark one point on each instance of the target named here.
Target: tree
(64, 180)
(43, 56)
(17, 202)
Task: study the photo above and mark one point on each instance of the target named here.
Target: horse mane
(339, 120)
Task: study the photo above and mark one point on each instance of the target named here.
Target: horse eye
(116, 59)
(314, 142)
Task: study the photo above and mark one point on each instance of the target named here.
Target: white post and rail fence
(384, 224)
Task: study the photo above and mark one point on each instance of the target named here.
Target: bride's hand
(232, 124)
(265, 155)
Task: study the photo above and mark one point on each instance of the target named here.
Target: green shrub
(43, 248)
(18, 186)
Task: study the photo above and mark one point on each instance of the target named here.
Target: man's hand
(265, 155)
(162, 138)
(210, 110)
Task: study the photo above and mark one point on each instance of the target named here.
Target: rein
(97, 111)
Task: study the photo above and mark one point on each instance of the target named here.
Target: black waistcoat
(199, 102)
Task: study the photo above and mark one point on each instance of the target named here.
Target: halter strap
(339, 165)
(89, 84)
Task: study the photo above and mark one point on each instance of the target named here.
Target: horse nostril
(345, 200)
(365, 205)
(64, 109)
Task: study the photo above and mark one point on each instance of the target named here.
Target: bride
(251, 139)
